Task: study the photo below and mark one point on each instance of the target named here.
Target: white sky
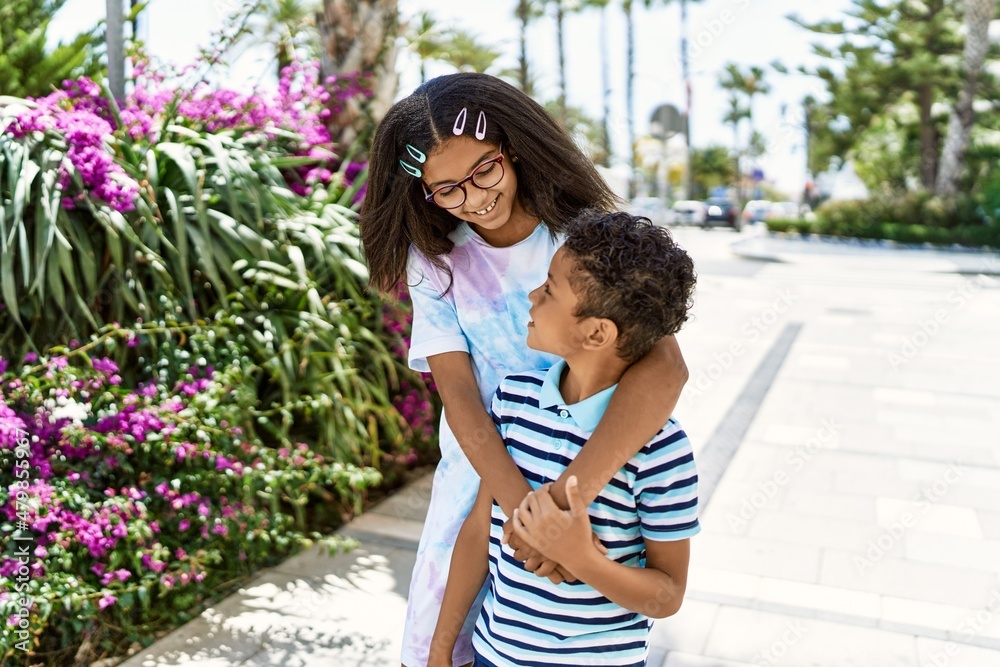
(750, 32)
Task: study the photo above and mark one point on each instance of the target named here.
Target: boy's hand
(562, 536)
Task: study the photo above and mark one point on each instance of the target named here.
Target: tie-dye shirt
(485, 313)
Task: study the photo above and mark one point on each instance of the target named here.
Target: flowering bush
(189, 204)
(138, 503)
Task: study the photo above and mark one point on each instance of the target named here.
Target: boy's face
(554, 327)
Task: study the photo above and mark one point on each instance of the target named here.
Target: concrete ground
(845, 414)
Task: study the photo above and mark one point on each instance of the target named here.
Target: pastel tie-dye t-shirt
(485, 313)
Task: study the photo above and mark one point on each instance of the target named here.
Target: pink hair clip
(459, 126)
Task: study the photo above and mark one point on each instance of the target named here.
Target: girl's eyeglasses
(453, 195)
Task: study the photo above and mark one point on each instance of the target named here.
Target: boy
(616, 286)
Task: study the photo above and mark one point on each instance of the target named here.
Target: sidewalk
(845, 417)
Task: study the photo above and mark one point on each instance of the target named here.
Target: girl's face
(494, 213)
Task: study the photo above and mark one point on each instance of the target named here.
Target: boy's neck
(588, 373)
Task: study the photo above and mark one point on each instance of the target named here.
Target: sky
(748, 32)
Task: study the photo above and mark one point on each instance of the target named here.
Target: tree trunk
(686, 74)
(605, 89)
(978, 14)
(630, 96)
(116, 47)
(560, 37)
(359, 36)
(928, 137)
(522, 16)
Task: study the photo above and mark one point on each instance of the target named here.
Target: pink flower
(107, 601)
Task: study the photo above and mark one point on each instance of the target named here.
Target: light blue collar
(587, 413)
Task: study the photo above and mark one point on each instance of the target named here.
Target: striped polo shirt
(527, 620)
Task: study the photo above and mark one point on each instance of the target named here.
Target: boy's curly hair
(631, 272)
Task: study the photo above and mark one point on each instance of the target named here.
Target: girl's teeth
(488, 208)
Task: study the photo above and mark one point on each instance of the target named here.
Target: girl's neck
(518, 227)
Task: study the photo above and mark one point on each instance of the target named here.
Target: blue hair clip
(416, 154)
(411, 170)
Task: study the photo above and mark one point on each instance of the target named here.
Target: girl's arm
(643, 402)
(469, 569)
(475, 431)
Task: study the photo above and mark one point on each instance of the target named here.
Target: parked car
(722, 212)
(689, 212)
(756, 210)
(784, 210)
(653, 208)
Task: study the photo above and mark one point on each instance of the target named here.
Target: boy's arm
(643, 402)
(469, 569)
(656, 590)
(475, 431)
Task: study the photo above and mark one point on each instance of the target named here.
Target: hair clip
(459, 127)
(416, 154)
(411, 170)
(481, 126)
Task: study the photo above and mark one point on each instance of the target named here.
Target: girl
(470, 185)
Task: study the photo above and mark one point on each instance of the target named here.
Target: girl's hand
(560, 535)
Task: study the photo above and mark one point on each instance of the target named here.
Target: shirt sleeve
(496, 409)
(436, 328)
(666, 487)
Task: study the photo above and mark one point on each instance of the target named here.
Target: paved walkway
(845, 414)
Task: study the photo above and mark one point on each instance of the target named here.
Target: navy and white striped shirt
(527, 620)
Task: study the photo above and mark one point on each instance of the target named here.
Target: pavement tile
(971, 553)
(805, 499)
(869, 483)
(384, 525)
(755, 556)
(779, 639)
(714, 585)
(783, 525)
(990, 523)
(929, 514)
(903, 578)
(928, 619)
(824, 602)
(409, 503)
(678, 659)
(687, 630)
(939, 653)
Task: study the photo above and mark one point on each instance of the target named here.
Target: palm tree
(735, 113)
(359, 36)
(750, 83)
(464, 51)
(427, 40)
(288, 25)
(686, 76)
(978, 14)
(525, 11)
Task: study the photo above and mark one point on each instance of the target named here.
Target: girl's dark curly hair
(555, 179)
(631, 272)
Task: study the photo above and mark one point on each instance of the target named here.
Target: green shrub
(139, 503)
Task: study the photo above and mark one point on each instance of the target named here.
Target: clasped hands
(548, 539)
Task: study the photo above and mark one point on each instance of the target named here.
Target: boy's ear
(600, 333)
